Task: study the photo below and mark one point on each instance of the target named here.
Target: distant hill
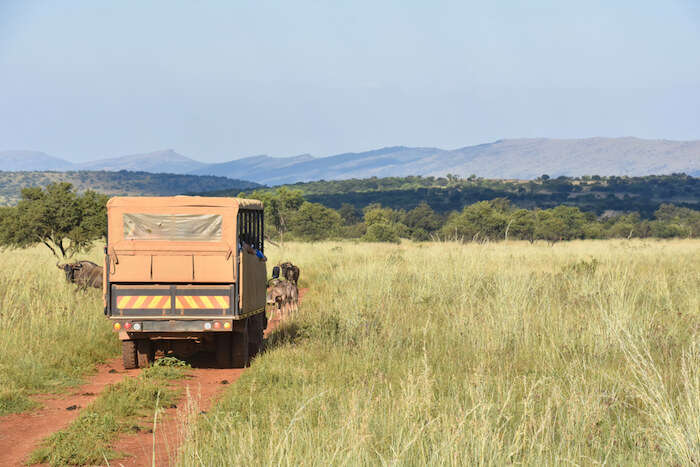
(253, 168)
(507, 158)
(165, 161)
(118, 183)
(31, 160)
(515, 158)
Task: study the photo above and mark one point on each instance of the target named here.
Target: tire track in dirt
(161, 446)
(21, 433)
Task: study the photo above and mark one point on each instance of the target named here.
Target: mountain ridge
(162, 161)
(521, 158)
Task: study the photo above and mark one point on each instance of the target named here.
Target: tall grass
(51, 335)
(582, 353)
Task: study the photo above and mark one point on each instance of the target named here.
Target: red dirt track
(21, 433)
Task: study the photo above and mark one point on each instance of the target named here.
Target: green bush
(381, 232)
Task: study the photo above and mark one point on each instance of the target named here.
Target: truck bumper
(142, 329)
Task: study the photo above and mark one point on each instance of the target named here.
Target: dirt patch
(21, 433)
(160, 446)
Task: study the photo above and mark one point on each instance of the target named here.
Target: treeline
(288, 215)
(451, 193)
(68, 222)
(117, 183)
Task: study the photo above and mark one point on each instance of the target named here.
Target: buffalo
(83, 273)
(290, 272)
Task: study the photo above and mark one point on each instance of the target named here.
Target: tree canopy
(56, 216)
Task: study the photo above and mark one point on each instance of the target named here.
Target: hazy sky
(217, 80)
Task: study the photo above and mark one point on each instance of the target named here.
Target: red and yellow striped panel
(187, 302)
(137, 302)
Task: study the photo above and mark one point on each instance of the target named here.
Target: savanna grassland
(51, 335)
(584, 352)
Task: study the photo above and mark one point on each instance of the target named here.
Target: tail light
(217, 325)
(127, 326)
(207, 325)
(117, 326)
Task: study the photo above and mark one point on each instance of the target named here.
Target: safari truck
(185, 274)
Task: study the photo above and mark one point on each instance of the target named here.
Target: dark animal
(290, 272)
(83, 273)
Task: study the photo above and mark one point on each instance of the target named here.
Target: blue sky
(219, 80)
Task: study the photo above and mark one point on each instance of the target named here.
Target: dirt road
(21, 433)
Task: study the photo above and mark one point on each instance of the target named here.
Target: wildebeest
(285, 295)
(290, 272)
(83, 273)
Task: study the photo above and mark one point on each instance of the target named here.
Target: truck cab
(185, 274)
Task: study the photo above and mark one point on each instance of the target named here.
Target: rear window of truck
(173, 227)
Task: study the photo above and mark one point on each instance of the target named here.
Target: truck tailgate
(172, 301)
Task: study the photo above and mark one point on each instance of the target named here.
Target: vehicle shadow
(283, 333)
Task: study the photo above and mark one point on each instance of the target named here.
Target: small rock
(224, 381)
(173, 406)
(72, 407)
(136, 428)
(88, 394)
(112, 371)
(203, 412)
(150, 430)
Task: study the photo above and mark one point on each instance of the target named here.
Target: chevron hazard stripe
(201, 302)
(140, 302)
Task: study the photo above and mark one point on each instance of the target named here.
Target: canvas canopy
(173, 227)
(174, 239)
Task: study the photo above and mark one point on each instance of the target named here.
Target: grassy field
(583, 352)
(50, 334)
(413, 354)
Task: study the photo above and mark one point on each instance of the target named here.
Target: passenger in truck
(246, 245)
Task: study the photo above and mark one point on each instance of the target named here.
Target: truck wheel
(255, 334)
(144, 352)
(129, 355)
(240, 352)
(223, 350)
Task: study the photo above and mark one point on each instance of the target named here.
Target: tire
(255, 334)
(240, 351)
(129, 355)
(223, 350)
(144, 353)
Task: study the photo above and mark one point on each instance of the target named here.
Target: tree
(423, 217)
(521, 224)
(280, 207)
(485, 219)
(381, 232)
(349, 213)
(314, 221)
(375, 213)
(57, 217)
(560, 223)
(390, 223)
